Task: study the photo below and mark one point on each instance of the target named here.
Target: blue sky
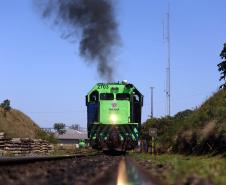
(44, 76)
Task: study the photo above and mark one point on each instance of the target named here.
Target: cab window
(106, 96)
(94, 96)
(136, 98)
(122, 96)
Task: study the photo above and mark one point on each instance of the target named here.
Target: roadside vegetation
(199, 134)
(184, 170)
(199, 131)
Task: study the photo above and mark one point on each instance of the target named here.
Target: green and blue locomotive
(114, 116)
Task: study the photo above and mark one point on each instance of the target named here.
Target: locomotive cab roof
(106, 91)
(119, 87)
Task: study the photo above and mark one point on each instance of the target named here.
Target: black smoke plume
(94, 22)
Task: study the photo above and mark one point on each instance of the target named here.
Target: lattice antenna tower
(168, 69)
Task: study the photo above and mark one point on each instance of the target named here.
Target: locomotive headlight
(113, 118)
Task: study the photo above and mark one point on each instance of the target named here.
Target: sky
(44, 76)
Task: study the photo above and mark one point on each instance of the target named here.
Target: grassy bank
(179, 169)
(15, 124)
(198, 131)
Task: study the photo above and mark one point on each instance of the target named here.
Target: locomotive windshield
(122, 96)
(94, 96)
(106, 96)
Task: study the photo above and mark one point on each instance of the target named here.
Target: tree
(183, 114)
(222, 66)
(74, 127)
(6, 105)
(59, 127)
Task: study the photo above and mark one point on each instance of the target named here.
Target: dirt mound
(16, 124)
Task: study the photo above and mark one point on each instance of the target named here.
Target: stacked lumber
(44, 147)
(24, 146)
(39, 146)
(50, 148)
(13, 146)
(2, 135)
(35, 146)
(2, 143)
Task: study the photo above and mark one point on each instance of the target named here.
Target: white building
(71, 136)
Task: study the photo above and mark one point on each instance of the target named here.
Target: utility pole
(152, 88)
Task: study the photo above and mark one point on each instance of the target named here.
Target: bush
(59, 127)
(6, 105)
(45, 136)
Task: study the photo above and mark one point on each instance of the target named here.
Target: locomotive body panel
(115, 112)
(114, 115)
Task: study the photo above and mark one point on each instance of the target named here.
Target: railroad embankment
(198, 131)
(199, 134)
(16, 124)
(184, 170)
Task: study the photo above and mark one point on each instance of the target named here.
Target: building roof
(72, 134)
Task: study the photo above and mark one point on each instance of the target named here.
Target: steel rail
(31, 159)
(130, 172)
(136, 174)
(127, 172)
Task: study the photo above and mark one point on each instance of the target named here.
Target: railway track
(129, 173)
(98, 169)
(25, 160)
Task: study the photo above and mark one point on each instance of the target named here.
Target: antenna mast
(168, 82)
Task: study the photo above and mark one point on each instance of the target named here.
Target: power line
(54, 112)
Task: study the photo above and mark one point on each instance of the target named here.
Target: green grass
(72, 150)
(175, 168)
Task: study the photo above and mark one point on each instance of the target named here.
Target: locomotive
(114, 116)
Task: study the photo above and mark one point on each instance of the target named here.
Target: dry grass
(17, 124)
(208, 128)
(14, 123)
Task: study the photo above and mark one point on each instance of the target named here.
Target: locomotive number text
(102, 86)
